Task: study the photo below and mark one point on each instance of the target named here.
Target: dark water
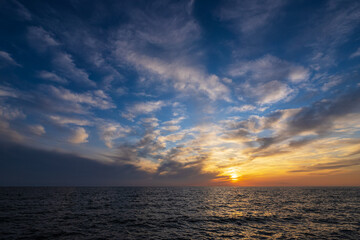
(179, 213)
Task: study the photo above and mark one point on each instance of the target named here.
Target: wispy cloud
(142, 108)
(51, 77)
(22, 11)
(334, 26)
(329, 166)
(41, 39)
(249, 16)
(171, 128)
(97, 99)
(37, 130)
(184, 78)
(112, 131)
(268, 79)
(8, 92)
(269, 68)
(69, 120)
(175, 35)
(6, 59)
(9, 113)
(356, 53)
(243, 108)
(268, 92)
(64, 63)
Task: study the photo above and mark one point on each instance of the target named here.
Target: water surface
(179, 213)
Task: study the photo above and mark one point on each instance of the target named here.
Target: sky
(173, 93)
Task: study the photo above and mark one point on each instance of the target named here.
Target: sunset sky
(243, 93)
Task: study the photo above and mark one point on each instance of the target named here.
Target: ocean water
(180, 213)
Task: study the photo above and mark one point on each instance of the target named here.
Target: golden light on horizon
(233, 174)
(234, 177)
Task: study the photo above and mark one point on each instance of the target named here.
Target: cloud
(8, 112)
(329, 166)
(184, 78)
(150, 122)
(333, 26)
(8, 134)
(175, 61)
(79, 136)
(268, 79)
(22, 11)
(53, 100)
(272, 92)
(37, 130)
(321, 115)
(142, 108)
(146, 146)
(8, 92)
(317, 119)
(269, 68)
(183, 173)
(243, 108)
(40, 39)
(6, 59)
(111, 131)
(171, 128)
(166, 24)
(172, 137)
(268, 92)
(174, 121)
(96, 99)
(51, 77)
(286, 131)
(69, 120)
(121, 91)
(64, 63)
(332, 81)
(24, 166)
(249, 16)
(227, 80)
(356, 53)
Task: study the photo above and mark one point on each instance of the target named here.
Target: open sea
(180, 213)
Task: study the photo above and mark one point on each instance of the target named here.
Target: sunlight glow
(232, 173)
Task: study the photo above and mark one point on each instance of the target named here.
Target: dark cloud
(301, 142)
(237, 134)
(183, 173)
(176, 168)
(318, 117)
(330, 166)
(147, 146)
(290, 124)
(25, 166)
(20, 165)
(354, 153)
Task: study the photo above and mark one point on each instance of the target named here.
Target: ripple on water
(179, 213)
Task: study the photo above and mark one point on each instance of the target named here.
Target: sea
(180, 213)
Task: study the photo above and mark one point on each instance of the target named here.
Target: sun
(233, 174)
(234, 177)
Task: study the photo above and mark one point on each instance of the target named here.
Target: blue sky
(180, 92)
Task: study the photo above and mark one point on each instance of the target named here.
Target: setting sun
(234, 177)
